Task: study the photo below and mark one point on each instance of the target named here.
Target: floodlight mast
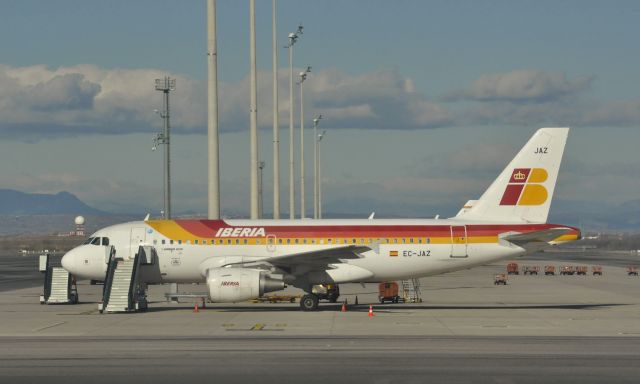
(212, 114)
(166, 85)
(320, 137)
(276, 120)
(303, 77)
(253, 112)
(315, 165)
(293, 37)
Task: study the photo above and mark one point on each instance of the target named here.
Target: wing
(314, 259)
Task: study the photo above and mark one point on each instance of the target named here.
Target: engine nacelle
(230, 285)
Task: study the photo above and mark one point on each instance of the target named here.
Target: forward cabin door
(137, 239)
(271, 243)
(459, 241)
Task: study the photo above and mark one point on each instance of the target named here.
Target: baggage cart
(512, 269)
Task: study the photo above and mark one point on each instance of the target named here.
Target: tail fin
(523, 191)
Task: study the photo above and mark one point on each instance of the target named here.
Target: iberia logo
(525, 187)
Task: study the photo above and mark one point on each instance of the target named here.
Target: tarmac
(551, 328)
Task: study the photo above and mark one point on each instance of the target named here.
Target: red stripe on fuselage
(209, 228)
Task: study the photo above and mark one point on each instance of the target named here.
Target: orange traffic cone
(371, 311)
(344, 307)
(195, 308)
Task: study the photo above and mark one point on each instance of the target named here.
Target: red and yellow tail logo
(525, 187)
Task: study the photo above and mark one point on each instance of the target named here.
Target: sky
(424, 102)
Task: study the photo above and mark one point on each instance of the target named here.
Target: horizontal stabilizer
(537, 240)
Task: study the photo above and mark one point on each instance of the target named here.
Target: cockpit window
(96, 241)
(89, 240)
(105, 241)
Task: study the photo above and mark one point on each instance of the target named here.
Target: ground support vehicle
(567, 270)
(388, 292)
(329, 292)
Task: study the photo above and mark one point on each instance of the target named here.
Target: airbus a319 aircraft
(243, 259)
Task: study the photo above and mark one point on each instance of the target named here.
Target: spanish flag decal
(393, 253)
(525, 187)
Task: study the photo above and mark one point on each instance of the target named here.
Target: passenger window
(163, 241)
(170, 241)
(179, 241)
(195, 241)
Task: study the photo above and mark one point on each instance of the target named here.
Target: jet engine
(230, 285)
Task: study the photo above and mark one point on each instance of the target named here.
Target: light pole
(315, 165)
(213, 147)
(293, 37)
(253, 111)
(303, 77)
(276, 121)
(320, 136)
(260, 202)
(166, 85)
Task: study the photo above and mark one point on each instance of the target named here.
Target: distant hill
(14, 202)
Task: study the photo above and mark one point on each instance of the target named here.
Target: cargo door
(458, 241)
(137, 239)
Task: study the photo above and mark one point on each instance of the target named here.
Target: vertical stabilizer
(523, 191)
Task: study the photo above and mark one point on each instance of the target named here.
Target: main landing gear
(309, 302)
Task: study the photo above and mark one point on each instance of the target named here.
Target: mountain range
(14, 202)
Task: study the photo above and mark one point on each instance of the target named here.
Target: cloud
(533, 97)
(37, 101)
(523, 86)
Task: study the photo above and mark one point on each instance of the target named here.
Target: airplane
(240, 260)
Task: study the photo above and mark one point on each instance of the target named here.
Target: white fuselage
(392, 256)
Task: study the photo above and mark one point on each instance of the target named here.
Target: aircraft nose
(70, 261)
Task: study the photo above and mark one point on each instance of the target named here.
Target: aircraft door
(271, 243)
(137, 238)
(459, 241)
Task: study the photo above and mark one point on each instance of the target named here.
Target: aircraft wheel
(309, 302)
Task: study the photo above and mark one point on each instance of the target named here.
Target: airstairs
(59, 286)
(122, 291)
(411, 291)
